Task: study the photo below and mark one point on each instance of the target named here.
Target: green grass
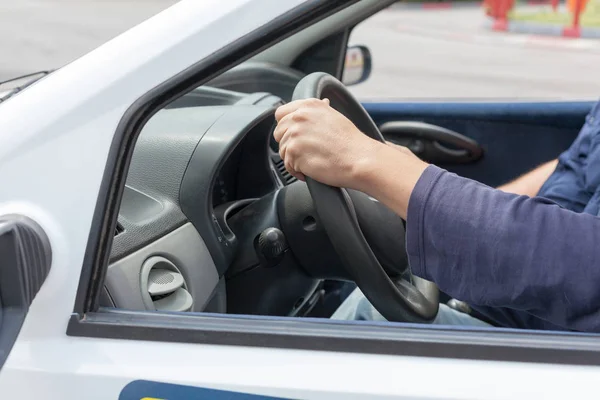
(589, 19)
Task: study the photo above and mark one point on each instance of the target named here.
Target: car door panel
(514, 137)
(432, 143)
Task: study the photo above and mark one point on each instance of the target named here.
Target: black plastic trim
(111, 189)
(26, 243)
(25, 260)
(338, 336)
(328, 55)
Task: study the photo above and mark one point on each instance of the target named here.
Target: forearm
(389, 174)
(530, 183)
(492, 248)
(393, 171)
(489, 247)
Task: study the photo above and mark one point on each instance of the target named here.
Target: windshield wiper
(13, 86)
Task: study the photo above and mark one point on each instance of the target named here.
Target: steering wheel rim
(397, 301)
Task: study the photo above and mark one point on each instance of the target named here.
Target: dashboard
(196, 163)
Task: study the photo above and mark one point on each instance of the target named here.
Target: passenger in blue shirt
(524, 255)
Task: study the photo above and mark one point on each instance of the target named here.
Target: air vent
(119, 229)
(285, 175)
(164, 286)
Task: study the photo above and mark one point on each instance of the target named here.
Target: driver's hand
(316, 140)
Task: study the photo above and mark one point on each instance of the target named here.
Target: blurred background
(464, 49)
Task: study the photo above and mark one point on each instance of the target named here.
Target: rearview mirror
(357, 67)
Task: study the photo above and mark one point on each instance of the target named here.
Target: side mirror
(357, 67)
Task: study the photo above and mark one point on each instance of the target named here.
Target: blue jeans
(357, 307)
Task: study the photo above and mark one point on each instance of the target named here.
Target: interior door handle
(432, 143)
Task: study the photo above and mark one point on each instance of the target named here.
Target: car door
(491, 142)
(65, 169)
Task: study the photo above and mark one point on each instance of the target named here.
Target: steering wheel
(406, 300)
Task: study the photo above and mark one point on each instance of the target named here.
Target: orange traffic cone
(572, 5)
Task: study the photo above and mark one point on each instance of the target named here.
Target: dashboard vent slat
(285, 175)
(119, 229)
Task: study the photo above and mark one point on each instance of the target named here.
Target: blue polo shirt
(520, 262)
(575, 183)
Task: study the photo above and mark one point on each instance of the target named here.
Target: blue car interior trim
(528, 134)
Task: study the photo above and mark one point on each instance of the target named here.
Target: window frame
(89, 320)
(104, 220)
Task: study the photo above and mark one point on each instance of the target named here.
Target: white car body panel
(53, 150)
(63, 126)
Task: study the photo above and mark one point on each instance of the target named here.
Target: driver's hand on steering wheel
(316, 140)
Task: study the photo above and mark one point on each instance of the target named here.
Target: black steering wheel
(406, 300)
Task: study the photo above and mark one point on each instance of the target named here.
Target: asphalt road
(45, 34)
(417, 54)
(451, 54)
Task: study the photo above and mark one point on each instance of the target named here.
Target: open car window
(452, 53)
(213, 235)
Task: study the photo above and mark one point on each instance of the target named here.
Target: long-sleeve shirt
(519, 261)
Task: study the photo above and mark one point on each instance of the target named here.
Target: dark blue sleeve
(496, 249)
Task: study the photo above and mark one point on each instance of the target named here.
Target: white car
(152, 246)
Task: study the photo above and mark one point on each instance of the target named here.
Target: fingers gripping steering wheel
(414, 301)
